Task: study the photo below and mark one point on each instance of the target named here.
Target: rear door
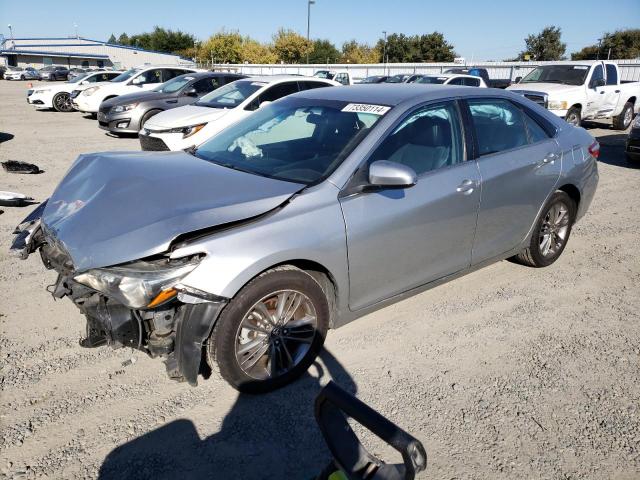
(398, 239)
(519, 165)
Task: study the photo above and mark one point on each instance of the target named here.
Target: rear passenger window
(612, 74)
(472, 82)
(426, 140)
(499, 125)
(536, 132)
(311, 85)
(457, 81)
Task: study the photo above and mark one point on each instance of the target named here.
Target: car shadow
(612, 150)
(263, 436)
(121, 135)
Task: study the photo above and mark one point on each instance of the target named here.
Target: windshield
(566, 74)
(231, 95)
(297, 140)
(324, 74)
(427, 79)
(174, 84)
(79, 78)
(395, 79)
(124, 76)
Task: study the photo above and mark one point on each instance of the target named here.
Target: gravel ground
(509, 372)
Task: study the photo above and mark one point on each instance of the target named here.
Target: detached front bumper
(40, 101)
(85, 104)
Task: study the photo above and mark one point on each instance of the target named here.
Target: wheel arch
(572, 191)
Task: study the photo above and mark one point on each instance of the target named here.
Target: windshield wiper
(191, 150)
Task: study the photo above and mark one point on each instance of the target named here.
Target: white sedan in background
(191, 125)
(453, 79)
(134, 80)
(58, 95)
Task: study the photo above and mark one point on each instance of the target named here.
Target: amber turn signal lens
(162, 297)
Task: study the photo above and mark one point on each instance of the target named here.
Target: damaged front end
(139, 304)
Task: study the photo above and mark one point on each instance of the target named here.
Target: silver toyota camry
(321, 207)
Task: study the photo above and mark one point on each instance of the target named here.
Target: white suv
(58, 95)
(189, 126)
(131, 81)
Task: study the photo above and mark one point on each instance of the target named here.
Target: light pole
(384, 51)
(75, 26)
(10, 31)
(309, 3)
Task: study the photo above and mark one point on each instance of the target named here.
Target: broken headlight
(139, 284)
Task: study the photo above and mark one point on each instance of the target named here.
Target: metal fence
(629, 69)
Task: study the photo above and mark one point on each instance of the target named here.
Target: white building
(79, 52)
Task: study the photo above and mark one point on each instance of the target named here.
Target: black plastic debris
(15, 166)
(12, 199)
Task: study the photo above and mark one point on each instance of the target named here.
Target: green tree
(324, 52)
(398, 48)
(621, 44)
(223, 47)
(252, 51)
(112, 39)
(123, 39)
(547, 45)
(432, 47)
(291, 47)
(354, 52)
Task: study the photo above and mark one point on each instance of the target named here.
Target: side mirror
(190, 92)
(384, 173)
(598, 83)
(517, 80)
(265, 103)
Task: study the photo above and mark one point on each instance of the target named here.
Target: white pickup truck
(340, 76)
(585, 90)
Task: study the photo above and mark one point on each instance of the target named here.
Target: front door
(519, 164)
(398, 239)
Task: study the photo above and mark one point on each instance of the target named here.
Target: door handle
(601, 92)
(549, 159)
(617, 91)
(466, 187)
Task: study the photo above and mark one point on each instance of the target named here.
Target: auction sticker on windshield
(366, 108)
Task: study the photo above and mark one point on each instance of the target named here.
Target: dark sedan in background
(633, 141)
(54, 73)
(128, 113)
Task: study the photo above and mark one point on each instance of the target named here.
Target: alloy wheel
(63, 103)
(572, 119)
(275, 334)
(628, 116)
(553, 233)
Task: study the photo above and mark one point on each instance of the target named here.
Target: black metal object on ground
(15, 166)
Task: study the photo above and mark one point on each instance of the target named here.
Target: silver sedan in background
(313, 211)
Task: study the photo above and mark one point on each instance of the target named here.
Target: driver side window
(150, 76)
(426, 140)
(598, 74)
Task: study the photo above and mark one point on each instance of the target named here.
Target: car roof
(393, 94)
(285, 78)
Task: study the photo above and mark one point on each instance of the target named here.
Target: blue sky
(481, 30)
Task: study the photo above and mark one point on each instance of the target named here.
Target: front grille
(539, 99)
(103, 124)
(75, 93)
(152, 144)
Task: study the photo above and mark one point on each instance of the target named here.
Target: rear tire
(574, 116)
(255, 348)
(622, 121)
(551, 232)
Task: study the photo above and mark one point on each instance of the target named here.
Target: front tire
(574, 116)
(271, 331)
(62, 102)
(622, 121)
(551, 233)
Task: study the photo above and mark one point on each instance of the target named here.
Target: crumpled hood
(541, 87)
(184, 116)
(116, 207)
(135, 97)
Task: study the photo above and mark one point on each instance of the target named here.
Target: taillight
(594, 149)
